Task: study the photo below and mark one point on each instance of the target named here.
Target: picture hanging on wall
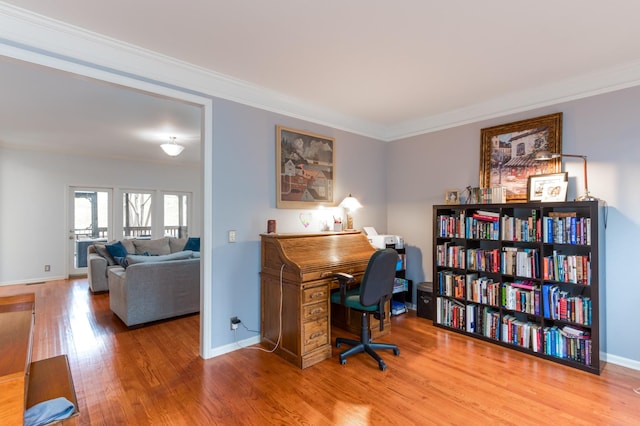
(507, 153)
(305, 169)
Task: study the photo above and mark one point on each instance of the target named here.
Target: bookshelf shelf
(526, 276)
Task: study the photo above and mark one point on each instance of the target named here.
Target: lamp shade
(172, 148)
(350, 203)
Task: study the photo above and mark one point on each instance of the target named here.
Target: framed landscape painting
(507, 153)
(305, 169)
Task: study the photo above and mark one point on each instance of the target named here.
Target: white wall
(603, 127)
(33, 203)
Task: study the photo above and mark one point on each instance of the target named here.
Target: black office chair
(375, 290)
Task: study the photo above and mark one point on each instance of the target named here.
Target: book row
(574, 269)
(516, 261)
(562, 342)
(518, 296)
(488, 225)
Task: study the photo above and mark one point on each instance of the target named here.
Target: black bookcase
(528, 276)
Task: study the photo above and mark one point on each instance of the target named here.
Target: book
(562, 214)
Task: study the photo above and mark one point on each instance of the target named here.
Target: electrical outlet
(232, 236)
(47, 268)
(234, 322)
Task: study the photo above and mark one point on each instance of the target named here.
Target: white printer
(383, 241)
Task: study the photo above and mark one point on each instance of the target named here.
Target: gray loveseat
(99, 261)
(151, 291)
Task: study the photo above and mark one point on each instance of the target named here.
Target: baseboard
(621, 361)
(33, 280)
(231, 347)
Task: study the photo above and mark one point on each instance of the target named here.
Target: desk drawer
(315, 294)
(315, 334)
(317, 310)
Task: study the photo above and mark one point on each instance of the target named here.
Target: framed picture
(507, 153)
(547, 187)
(452, 196)
(305, 169)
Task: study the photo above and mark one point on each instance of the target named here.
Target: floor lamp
(547, 155)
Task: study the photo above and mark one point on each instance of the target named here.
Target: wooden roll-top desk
(297, 270)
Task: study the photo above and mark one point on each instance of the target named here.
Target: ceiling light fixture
(172, 148)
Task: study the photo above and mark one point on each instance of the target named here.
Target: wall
(603, 127)
(244, 198)
(33, 209)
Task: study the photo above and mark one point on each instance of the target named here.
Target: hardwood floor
(153, 375)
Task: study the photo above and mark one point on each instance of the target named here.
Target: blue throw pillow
(193, 244)
(118, 252)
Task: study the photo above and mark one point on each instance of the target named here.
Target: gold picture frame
(507, 153)
(452, 196)
(305, 169)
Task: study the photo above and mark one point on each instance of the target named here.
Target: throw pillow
(101, 249)
(193, 244)
(116, 249)
(176, 244)
(118, 252)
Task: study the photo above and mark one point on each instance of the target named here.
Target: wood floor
(153, 376)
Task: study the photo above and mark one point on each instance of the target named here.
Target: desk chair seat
(370, 298)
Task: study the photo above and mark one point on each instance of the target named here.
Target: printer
(383, 241)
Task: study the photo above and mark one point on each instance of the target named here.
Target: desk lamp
(350, 204)
(545, 155)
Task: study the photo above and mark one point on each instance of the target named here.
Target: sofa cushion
(193, 244)
(177, 244)
(128, 244)
(118, 252)
(154, 247)
(132, 259)
(101, 249)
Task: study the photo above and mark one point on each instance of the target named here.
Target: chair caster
(343, 361)
(338, 344)
(382, 366)
(396, 352)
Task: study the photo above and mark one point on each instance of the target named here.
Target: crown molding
(24, 30)
(24, 34)
(583, 86)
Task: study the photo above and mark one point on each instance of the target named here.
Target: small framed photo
(554, 181)
(452, 196)
(554, 191)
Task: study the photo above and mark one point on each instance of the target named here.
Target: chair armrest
(343, 279)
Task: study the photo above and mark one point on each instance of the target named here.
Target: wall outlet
(233, 323)
(232, 236)
(47, 268)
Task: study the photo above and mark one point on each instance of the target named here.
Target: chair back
(377, 282)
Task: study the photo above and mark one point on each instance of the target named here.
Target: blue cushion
(193, 244)
(352, 300)
(118, 252)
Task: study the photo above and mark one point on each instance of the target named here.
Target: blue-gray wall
(606, 128)
(244, 188)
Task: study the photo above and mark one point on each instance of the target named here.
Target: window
(137, 212)
(176, 218)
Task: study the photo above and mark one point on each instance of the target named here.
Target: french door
(90, 220)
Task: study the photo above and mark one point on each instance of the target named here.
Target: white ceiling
(391, 64)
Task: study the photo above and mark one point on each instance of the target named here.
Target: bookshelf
(527, 276)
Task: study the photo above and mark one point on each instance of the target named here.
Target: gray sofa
(151, 291)
(99, 261)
